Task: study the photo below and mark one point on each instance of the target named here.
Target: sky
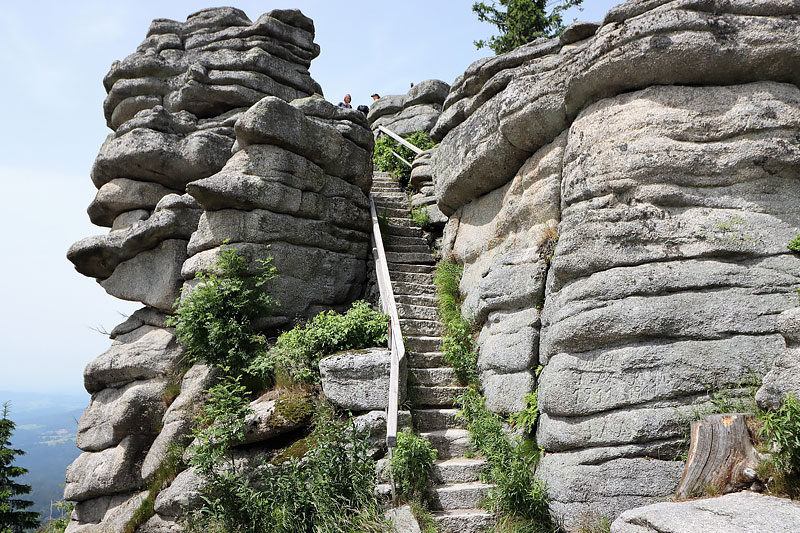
(53, 56)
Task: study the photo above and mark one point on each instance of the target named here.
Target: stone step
(414, 290)
(410, 267)
(463, 520)
(443, 376)
(399, 240)
(433, 419)
(392, 212)
(402, 222)
(436, 396)
(459, 495)
(389, 204)
(408, 248)
(451, 442)
(457, 470)
(379, 187)
(418, 278)
(403, 231)
(416, 299)
(391, 196)
(423, 344)
(425, 360)
(420, 327)
(417, 312)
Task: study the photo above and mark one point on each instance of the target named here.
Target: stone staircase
(433, 386)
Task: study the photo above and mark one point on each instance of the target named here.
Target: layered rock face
(417, 110)
(621, 205)
(206, 149)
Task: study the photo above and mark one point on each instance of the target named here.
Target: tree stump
(721, 458)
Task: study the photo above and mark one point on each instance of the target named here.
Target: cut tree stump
(721, 457)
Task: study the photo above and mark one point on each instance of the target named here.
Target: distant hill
(46, 429)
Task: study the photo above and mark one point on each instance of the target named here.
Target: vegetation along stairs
(457, 491)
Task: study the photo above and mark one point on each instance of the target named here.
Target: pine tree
(13, 516)
(521, 21)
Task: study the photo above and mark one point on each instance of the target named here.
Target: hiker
(375, 96)
(346, 103)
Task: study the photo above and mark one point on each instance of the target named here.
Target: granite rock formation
(219, 135)
(417, 110)
(733, 513)
(621, 200)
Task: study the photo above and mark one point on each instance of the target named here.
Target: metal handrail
(398, 156)
(396, 137)
(396, 346)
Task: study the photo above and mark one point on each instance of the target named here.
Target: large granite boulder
(205, 148)
(358, 380)
(294, 191)
(417, 110)
(741, 512)
(626, 228)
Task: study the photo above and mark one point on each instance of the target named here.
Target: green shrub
(518, 500)
(795, 244)
(412, 464)
(458, 345)
(781, 429)
(421, 216)
(331, 490)
(297, 352)
(220, 425)
(214, 321)
(385, 161)
(526, 419)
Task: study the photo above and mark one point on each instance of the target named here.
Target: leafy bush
(412, 464)
(795, 245)
(420, 216)
(297, 351)
(526, 419)
(331, 490)
(458, 345)
(781, 429)
(214, 321)
(519, 501)
(385, 161)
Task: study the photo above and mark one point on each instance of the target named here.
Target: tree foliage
(521, 21)
(13, 515)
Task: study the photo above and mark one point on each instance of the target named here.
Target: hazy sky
(53, 56)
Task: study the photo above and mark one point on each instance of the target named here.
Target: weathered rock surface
(205, 148)
(627, 231)
(144, 353)
(179, 417)
(358, 380)
(784, 377)
(417, 110)
(107, 513)
(710, 43)
(115, 413)
(741, 512)
(294, 191)
(111, 471)
(185, 492)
